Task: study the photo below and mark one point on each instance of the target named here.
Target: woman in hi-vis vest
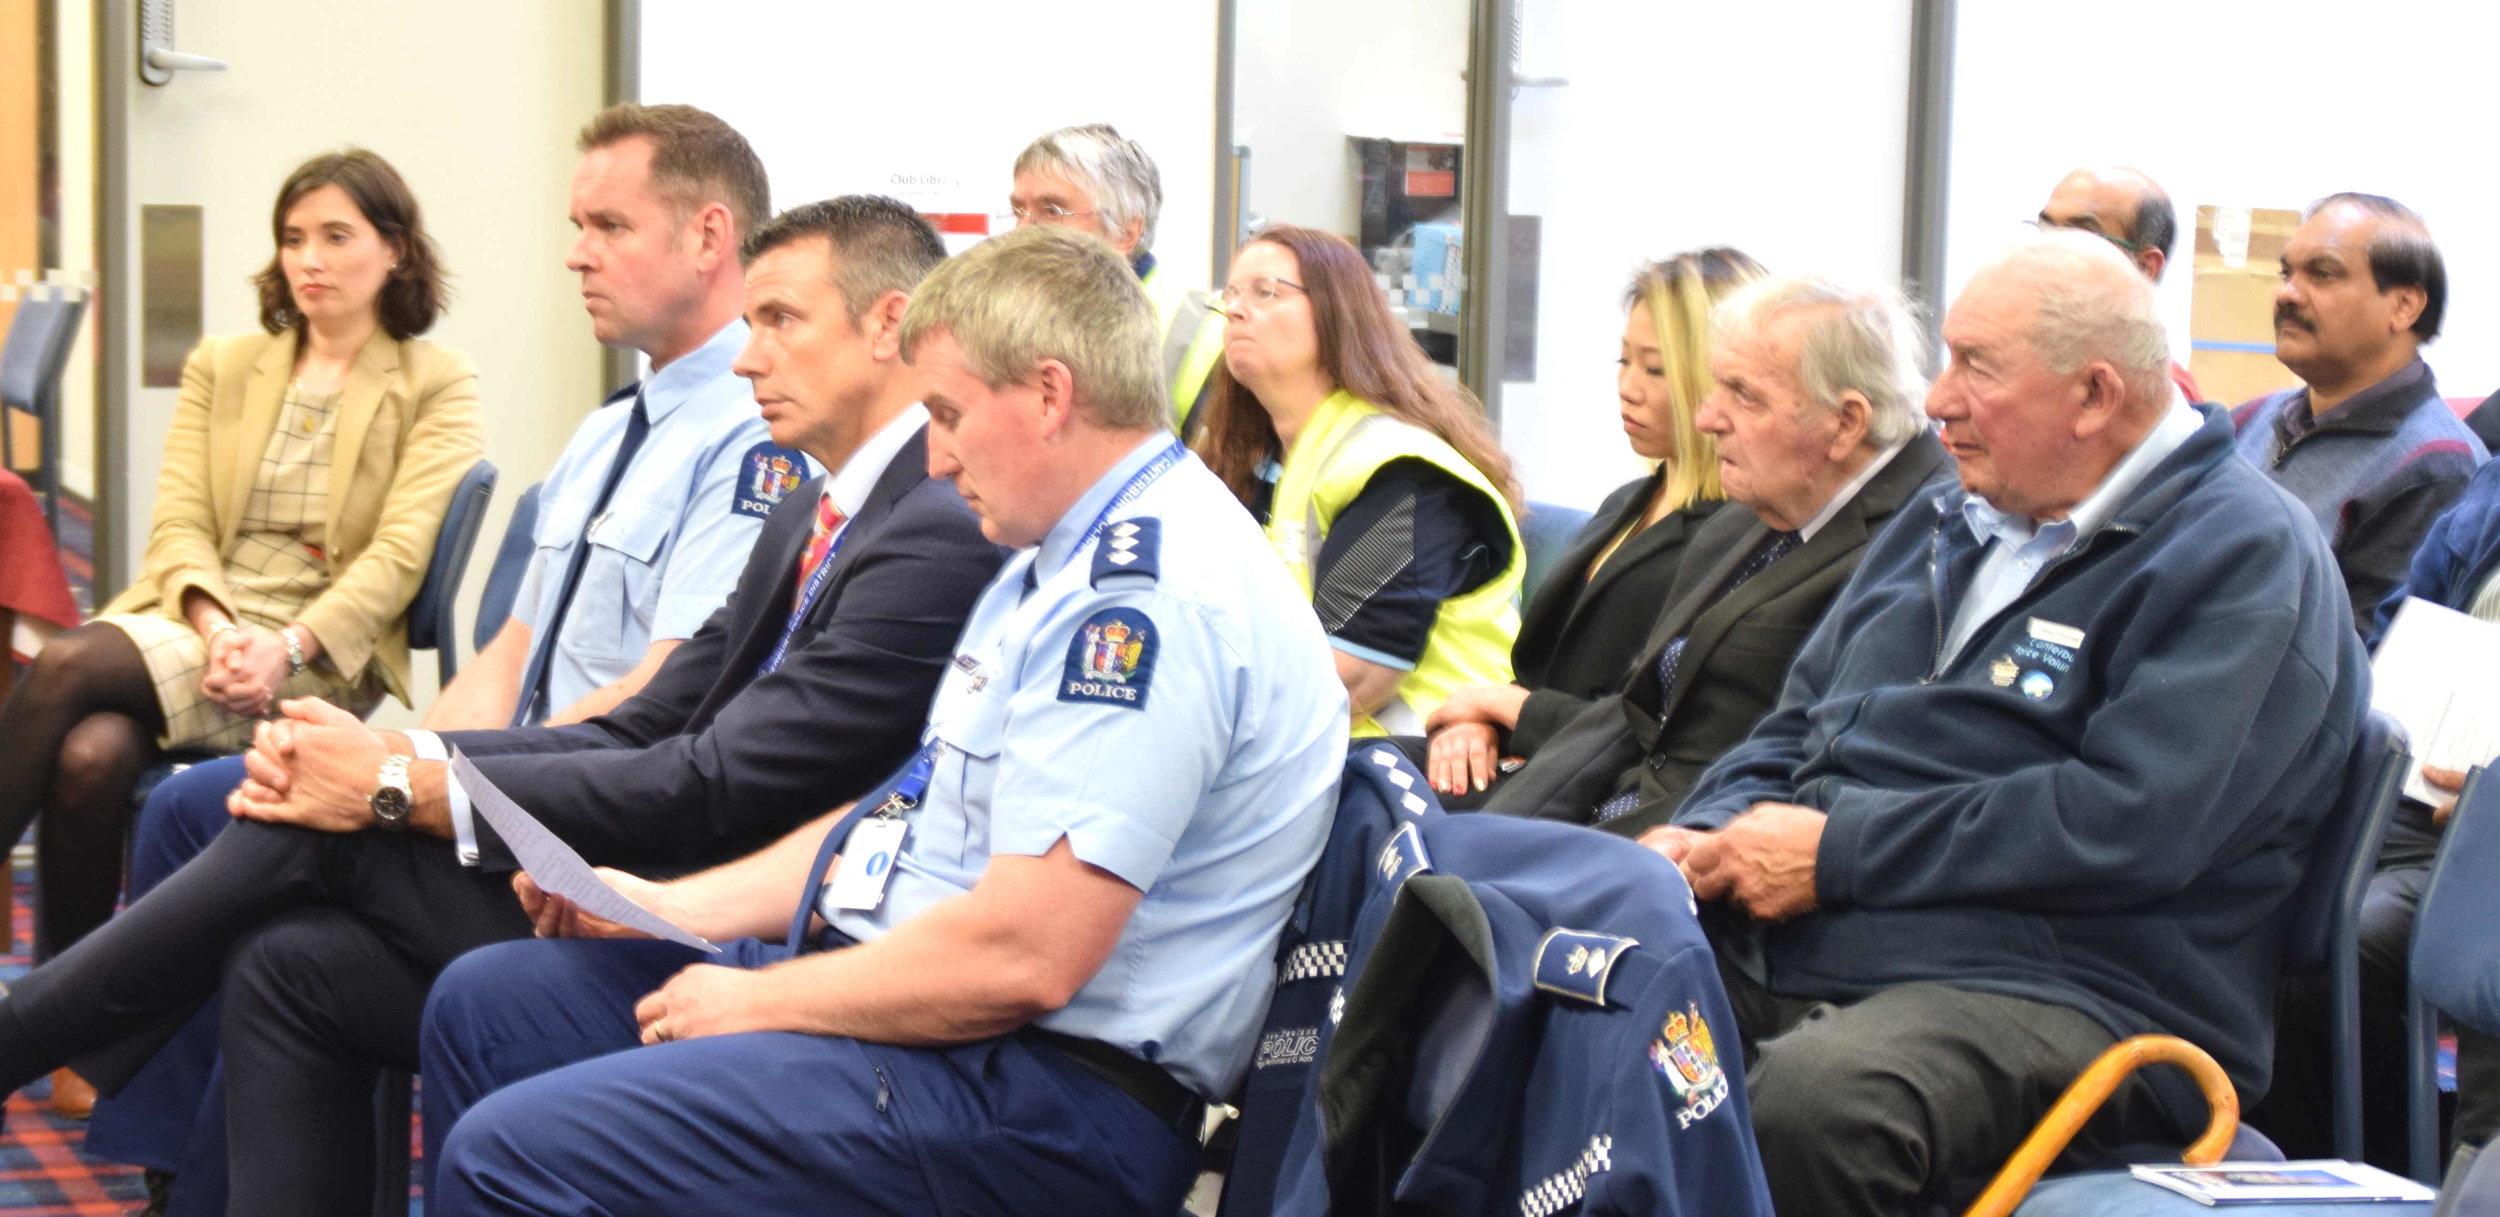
(1592, 616)
(1376, 477)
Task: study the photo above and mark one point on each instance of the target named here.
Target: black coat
(1581, 632)
(1736, 655)
(709, 762)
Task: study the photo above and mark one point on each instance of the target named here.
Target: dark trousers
(533, 1060)
(1914, 1094)
(255, 910)
(171, 1115)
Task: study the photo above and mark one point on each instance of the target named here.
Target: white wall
(1312, 72)
(476, 103)
(931, 105)
(1778, 129)
(2269, 106)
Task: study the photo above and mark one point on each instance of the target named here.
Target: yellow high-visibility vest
(1345, 442)
(1193, 338)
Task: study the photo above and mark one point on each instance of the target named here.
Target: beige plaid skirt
(177, 658)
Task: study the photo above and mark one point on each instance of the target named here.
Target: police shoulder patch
(1111, 659)
(1129, 549)
(766, 475)
(1402, 857)
(1576, 963)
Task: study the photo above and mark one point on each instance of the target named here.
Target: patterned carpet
(42, 1174)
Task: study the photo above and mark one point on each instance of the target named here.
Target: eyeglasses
(1048, 213)
(1256, 294)
(2132, 247)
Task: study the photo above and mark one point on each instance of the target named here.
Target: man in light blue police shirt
(662, 197)
(1050, 940)
(645, 521)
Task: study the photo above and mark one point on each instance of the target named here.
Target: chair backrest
(2344, 855)
(1546, 530)
(31, 364)
(2326, 908)
(38, 347)
(433, 615)
(512, 560)
(2456, 953)
(1381, 793)
(2455, 965)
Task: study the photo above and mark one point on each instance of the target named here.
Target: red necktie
(819, 542)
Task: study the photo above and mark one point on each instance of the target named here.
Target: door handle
(158, 60)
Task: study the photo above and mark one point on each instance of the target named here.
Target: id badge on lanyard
(876, 841)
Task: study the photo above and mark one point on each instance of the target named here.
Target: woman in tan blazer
(306, 475)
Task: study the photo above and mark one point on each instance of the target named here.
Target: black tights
(74, 736)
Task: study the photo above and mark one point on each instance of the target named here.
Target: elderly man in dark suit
(353, 877)
(1816, 414)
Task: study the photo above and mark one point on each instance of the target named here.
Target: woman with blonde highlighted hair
(1593, 613)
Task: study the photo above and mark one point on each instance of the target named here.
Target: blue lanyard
(902, 795)
(816, 581)
(1129, 492)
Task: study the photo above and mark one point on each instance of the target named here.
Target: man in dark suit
(1823, 450)
(350, 878)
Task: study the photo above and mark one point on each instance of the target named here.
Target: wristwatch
(391, 799)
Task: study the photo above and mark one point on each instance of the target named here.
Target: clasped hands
(246, 667)
(1762, 862)
(314, 767)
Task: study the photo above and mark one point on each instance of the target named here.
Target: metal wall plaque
(169, 292)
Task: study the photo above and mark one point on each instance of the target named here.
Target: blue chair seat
(1546, 530)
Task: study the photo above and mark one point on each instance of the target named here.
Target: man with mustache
(2366, 443)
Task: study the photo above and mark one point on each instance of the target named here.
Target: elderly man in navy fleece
(2044, 777)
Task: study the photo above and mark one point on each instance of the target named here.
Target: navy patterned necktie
(1772, 549)
(533, 704)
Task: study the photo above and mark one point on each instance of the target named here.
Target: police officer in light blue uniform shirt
(1121, 703)
(674, 534)
(1049, 939)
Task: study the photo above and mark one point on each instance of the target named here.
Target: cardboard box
(2231, 312)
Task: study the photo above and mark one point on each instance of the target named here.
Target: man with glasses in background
(2129, 210)
(1093, 179)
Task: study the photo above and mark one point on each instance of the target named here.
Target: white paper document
(2307, 1180)
(554, 866)
(2438, 672)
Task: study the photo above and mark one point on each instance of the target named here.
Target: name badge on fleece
(867, 862)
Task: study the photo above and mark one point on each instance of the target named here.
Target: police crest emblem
(1687, 1055)
(1111, 659)
(767, 475)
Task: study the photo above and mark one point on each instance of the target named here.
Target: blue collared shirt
(1193, 753)
(2020, 547)
(668, 548)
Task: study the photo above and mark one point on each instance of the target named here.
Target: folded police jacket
(1530, 1026)
(1380, 794)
